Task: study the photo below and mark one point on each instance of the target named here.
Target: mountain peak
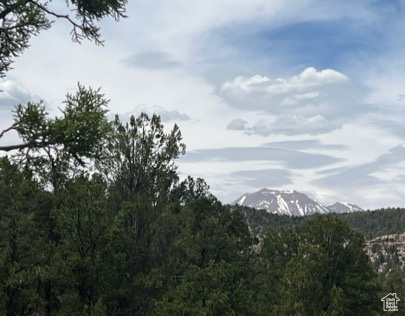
(291, 202)
(340, 207)
(285, 202)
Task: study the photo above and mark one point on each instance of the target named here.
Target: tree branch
(77, 37)
(8, 10)
(43, 8)
(7, 130)
(13, 147)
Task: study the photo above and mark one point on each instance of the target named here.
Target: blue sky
(304, 95)
(320, 44)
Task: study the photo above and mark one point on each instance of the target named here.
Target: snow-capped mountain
(291, 203)
(339, 207)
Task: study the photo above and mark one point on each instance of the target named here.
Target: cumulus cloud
(165, 115)
(327, 93)
(311, 102)
(307, 79)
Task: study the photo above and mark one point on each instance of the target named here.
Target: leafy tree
(22, 19)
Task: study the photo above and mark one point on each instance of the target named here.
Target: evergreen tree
(394, 282)
(324, 271)
(213, 250)
(22, 262)
(78, 259)
(22, 19)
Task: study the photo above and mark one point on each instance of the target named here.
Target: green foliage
(321, 268)
(21, 255)
(260, 221)
(95, 221)
(83, 128)
(22, 19)
(80, 132)
(82, 224)
(211, 278)
(143, 157)
(202, 291)
(394, 282)
(376, 223)
(52, 148)
(133, 240)
(371, 224)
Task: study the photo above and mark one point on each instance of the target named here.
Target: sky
(305, 96)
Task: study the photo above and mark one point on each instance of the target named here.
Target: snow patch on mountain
(242, 199)
(340, 207)
(290, 203)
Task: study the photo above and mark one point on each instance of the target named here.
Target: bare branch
(7, 130)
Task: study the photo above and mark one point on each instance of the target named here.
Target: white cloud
(296, 99)
(373, 182)
(311, 102)
(171, 48)
(310, 76)
(307, 79)
(285, 124)
(12, 93)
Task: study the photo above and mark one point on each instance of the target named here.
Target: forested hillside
(105, 243)
(376, 223)
(371, 224)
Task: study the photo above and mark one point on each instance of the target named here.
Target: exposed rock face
(387, 252)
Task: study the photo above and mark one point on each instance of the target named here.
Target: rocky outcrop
(387, 252)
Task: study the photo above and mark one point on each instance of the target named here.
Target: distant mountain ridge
(290, 203)
(339, 207)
